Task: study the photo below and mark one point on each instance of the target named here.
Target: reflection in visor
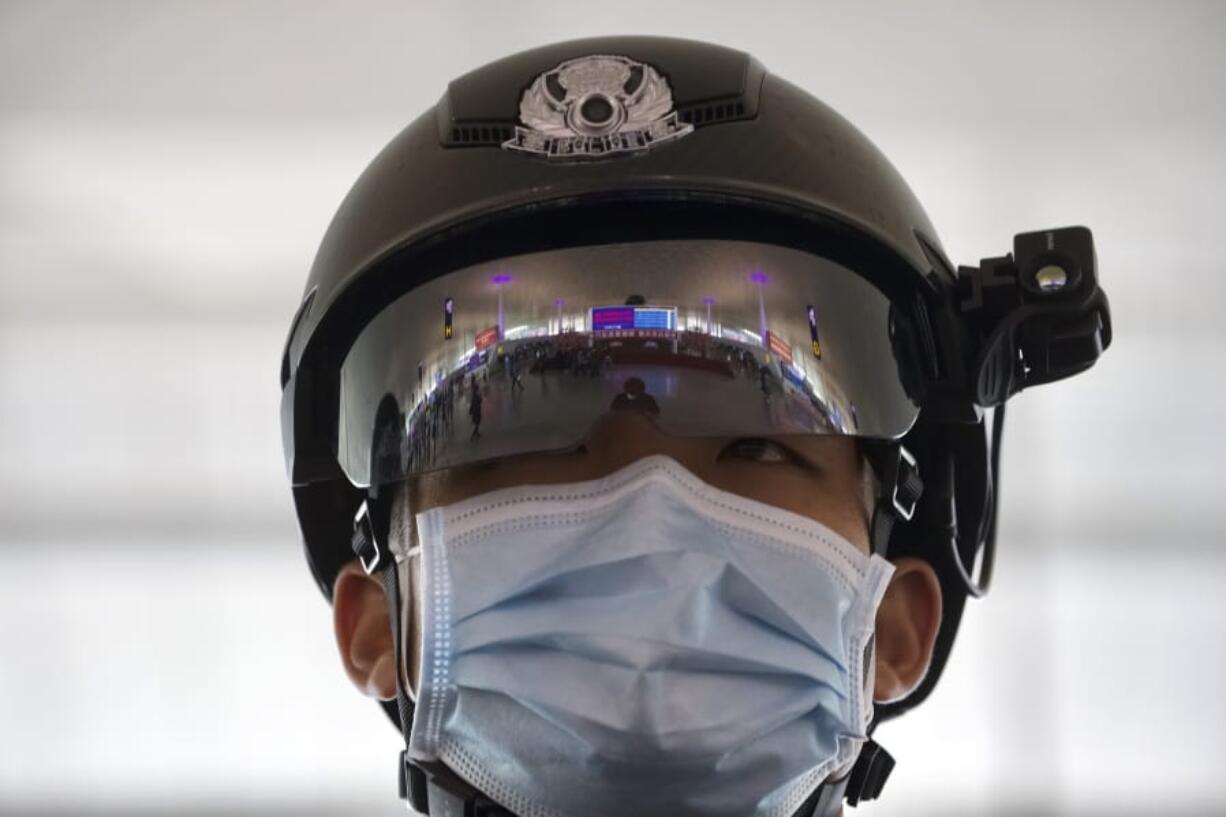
(705, 338)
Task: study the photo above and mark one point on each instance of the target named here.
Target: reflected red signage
(776, 345)
(487, 338)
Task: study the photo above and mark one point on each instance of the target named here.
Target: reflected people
(387, 440)
(634, 397)
(474, 409)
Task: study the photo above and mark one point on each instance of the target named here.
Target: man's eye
(756, 449)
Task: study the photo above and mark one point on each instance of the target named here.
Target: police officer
(704, 609)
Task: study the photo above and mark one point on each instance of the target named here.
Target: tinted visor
(703, 337)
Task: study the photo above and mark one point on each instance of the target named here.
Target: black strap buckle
(365, 545)
(868, 776)
(899, 491)
(907, 485)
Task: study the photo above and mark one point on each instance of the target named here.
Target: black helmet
(625, 163)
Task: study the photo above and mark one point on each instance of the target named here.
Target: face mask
(641, 644)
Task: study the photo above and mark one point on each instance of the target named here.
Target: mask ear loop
(391, 587)
(432, 789)
(898, 494)
(370, 528)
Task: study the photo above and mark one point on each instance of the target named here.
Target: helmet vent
(481, 133)
(713, 112)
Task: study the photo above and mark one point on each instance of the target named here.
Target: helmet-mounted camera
(1034, 316)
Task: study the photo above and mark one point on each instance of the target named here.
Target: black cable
(980, 589)
(986, 534)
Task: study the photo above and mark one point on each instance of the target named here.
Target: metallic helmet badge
(596, 106)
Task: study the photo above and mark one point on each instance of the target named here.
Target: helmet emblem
(596, 106)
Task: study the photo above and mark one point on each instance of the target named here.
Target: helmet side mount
(1034, 316)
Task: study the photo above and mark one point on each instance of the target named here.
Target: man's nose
(618, 438)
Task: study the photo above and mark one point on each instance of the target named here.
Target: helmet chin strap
(433, 789)
(898, 493)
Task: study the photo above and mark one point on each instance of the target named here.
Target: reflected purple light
(759, 278)
(559, 301)
(501, 279)
(708, 301)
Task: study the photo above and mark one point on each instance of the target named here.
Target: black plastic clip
(868, 776)
(413, 785)
(433, 789)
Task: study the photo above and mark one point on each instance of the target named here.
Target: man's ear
(364, 632)
(906, 630)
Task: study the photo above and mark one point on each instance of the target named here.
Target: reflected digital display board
(606, 318)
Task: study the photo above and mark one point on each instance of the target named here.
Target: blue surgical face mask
(641, 644)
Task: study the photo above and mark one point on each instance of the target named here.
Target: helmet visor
(704, 337)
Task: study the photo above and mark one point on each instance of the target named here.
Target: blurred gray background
(166, 173)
